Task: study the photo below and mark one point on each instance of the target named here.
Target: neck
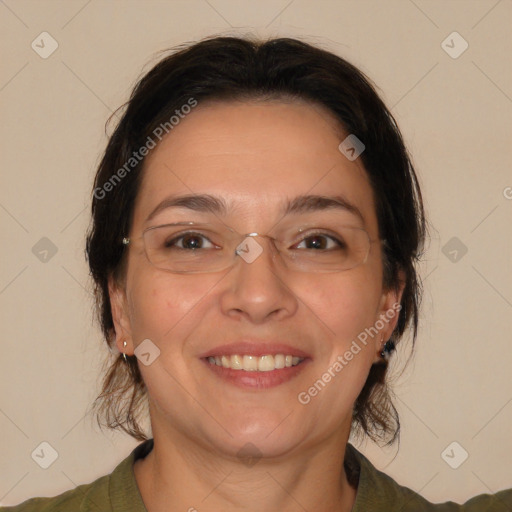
(179, 475)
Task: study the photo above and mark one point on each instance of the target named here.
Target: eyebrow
(217, 205)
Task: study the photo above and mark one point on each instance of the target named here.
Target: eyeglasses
(189, 247)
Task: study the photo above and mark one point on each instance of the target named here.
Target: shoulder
(114, 492)
(377, 491)
(84, 498)
(501, 501)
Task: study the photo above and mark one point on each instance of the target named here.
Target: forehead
(256, 156)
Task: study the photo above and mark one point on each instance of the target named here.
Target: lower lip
(257, 379)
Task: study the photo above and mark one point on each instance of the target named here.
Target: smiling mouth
(249, 363)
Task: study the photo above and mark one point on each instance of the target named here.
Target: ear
(118, 306)
(387, 315)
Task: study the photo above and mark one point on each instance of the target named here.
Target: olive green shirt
(376, 492)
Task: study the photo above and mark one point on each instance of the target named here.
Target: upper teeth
(254, 363)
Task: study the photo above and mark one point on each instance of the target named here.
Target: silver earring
(124, 355)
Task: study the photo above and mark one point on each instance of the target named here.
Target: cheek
(345, 303)
(347, 306)
(162, 306)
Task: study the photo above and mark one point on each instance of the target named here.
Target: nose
(258, 287)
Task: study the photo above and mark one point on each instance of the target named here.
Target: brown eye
(188, 241)
(320, 242)
(316, 242)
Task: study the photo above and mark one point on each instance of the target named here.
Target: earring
(124, 355)
(389, 347)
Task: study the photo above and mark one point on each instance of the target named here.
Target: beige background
(456, 117)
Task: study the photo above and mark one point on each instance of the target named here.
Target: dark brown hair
(230, 68)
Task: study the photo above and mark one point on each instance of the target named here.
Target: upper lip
(254, 348)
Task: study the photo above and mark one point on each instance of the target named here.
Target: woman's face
(256, 157)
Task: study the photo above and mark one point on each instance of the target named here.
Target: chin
(256, 437)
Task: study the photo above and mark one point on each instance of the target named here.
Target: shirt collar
(372, 485)
(123, 491)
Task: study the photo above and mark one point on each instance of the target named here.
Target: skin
(256, 154)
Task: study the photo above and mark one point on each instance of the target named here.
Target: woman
(256, 225)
